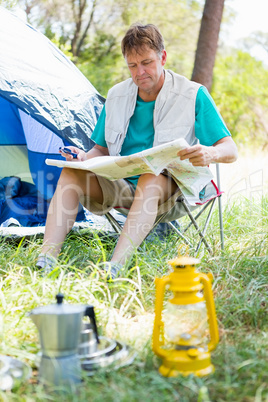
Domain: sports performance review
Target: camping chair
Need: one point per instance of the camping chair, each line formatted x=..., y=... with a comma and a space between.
x=206, y=206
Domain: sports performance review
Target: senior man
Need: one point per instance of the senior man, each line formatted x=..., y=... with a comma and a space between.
x=152, y=107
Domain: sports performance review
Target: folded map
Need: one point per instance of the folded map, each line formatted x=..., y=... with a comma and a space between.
x=191, y=179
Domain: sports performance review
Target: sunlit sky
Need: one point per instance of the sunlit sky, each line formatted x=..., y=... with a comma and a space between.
x=252, y=15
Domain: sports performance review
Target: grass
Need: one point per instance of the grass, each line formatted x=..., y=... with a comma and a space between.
x=125, y=312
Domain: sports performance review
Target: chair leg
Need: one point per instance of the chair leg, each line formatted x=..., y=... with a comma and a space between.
x=199, y=231
x=206, y=224
x=220, y=207
x=113, y=222
x=180, y=234
x=118, y=228
x=198, y=214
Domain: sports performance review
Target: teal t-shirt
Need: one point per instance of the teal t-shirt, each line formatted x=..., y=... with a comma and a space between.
x=209, y=126
x=140, y=133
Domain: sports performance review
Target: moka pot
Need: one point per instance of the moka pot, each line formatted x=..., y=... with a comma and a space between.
x=59, y=327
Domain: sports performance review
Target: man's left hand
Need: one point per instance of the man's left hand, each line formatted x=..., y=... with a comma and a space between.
x=223, y=151
x=198, y=155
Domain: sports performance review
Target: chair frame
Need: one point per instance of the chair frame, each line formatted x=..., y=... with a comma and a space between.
x=193, y=219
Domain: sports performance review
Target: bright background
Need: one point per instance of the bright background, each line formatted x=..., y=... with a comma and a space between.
x=251, y=15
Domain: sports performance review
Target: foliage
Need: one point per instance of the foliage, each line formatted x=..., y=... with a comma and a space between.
x=102, y=61
x=239, y=81
x=9, y=4
x=239, y=90
x=256, y=39
x=90, y=32
x=125, y=311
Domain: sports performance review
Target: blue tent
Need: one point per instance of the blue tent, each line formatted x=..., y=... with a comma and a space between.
x=45, y=103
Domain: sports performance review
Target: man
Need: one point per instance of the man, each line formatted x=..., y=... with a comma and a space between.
x=151, y=107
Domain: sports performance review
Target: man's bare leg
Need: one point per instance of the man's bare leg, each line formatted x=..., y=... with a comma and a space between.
x=63, y=208
x=151, y=191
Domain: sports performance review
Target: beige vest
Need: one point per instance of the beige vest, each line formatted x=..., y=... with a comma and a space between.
x=174, y=113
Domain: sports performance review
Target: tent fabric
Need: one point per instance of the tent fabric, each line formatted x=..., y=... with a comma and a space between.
x=13, y=148
x=41, y=142
x=11, y=123
x=43, y=82
x=21, y=201
x=45, y=103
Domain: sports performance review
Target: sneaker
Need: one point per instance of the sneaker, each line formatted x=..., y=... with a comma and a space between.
x=112, y=269
x=46, y=263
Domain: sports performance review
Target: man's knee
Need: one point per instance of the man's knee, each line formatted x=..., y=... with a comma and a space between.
x=72, y=180
x=159, y=186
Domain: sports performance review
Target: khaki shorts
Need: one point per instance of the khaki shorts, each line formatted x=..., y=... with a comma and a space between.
x=119, y=194
x=115, y=193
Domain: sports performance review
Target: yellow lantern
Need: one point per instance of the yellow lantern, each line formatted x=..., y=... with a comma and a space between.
x=180, y=334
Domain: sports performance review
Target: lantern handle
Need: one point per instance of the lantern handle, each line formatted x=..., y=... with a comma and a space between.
x=158, y=330
x=211, y=310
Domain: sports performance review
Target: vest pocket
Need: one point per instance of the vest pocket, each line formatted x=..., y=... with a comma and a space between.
x=114, y=141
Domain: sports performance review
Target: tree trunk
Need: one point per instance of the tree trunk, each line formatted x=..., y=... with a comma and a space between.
x=80, y=9
x=207, y=42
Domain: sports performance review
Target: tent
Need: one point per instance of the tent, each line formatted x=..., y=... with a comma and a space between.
x=45, y=103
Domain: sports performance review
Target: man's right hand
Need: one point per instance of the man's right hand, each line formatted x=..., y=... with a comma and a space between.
x=81, y=155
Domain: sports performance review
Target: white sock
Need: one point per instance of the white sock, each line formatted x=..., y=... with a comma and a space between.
x=46, y=262
x=112, y=269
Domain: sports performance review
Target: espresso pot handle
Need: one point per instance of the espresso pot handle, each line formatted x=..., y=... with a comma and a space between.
x=89, y=312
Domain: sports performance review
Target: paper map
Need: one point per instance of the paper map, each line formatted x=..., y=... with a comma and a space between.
x=152, y=160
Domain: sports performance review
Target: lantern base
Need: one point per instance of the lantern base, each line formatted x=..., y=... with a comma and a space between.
x=186, y=362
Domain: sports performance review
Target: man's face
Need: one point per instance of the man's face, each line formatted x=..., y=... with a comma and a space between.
x=146, y=69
